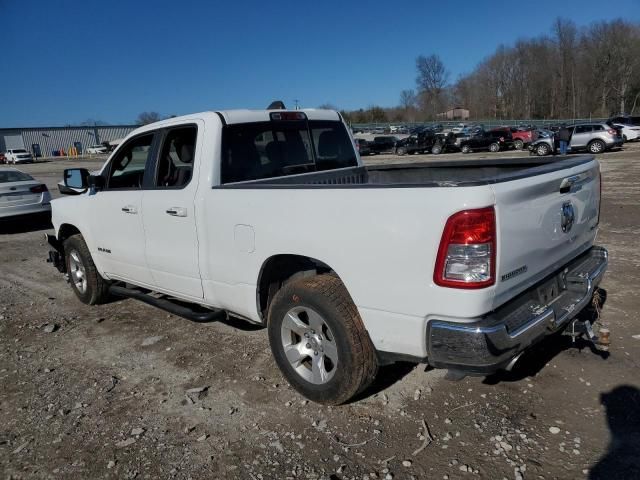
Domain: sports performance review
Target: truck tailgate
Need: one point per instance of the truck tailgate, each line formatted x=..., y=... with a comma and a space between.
x=543, y=222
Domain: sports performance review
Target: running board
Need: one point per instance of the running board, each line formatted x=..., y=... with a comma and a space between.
x=169, y=305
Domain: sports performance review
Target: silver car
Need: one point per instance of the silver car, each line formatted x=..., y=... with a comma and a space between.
x=592, y=137
x=20, y=194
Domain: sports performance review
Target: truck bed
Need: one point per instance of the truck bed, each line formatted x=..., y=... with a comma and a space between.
x=426, y=174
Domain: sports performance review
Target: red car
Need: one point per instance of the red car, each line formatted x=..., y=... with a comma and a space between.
x=521, y=137
x=3, y=159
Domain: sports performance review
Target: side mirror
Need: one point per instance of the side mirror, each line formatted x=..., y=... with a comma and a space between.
x=76, y=178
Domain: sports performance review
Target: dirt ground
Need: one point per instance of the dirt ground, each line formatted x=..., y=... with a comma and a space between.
x=106, y=394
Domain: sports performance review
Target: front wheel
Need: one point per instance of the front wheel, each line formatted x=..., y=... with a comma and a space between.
x=85, y=280
x=436, y=149
x=466, y=149
x=401, y=151
x=494, y=147
x=318, y=340
x=518, y=144
x=542, y=150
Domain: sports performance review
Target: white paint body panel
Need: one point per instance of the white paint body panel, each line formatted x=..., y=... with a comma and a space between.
x=382, y=242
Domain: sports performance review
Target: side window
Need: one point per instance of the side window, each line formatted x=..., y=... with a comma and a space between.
x=175, y=165
x=127, y=168
x=583, y=129
x=598, y=128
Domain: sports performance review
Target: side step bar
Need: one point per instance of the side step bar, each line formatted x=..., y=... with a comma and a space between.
x=168, y=305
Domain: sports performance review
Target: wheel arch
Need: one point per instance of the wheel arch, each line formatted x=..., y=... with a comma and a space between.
x=281, y=268
x=66, y=230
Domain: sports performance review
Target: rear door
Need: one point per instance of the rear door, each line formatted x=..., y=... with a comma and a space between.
x=581, y=136
x=543, y=222
x=169, y=212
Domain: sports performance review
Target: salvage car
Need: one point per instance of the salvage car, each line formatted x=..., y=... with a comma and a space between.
x=383, y=144
x=363, y=146
x=522, y=137
x=21, y=194
x=96, y=149
x=493, y=141
x=419, y=142
x=270, y=216
x=592, y=137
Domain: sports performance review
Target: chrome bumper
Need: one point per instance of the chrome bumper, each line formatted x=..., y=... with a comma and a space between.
x=490, y=344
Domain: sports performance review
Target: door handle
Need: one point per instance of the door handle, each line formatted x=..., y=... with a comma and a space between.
x=129, y=209
x=177, y=211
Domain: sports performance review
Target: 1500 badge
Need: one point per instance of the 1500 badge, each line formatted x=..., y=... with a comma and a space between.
x=514, y=273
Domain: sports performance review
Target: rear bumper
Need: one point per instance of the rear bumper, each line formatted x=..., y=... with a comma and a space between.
x=490, y=344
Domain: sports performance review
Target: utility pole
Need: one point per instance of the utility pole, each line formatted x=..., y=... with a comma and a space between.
x=296, y=101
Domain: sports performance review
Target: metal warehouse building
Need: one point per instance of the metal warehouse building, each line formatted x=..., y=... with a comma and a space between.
x=44, y=141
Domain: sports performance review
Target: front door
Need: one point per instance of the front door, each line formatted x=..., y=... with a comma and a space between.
x=581, y=136
x=169, y=214
x=116, y=222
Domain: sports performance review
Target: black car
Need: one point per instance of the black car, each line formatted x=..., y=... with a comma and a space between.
x=625, y=120
x=420, y=142
x=383, y=144
x=492, y=141
x=363, y=146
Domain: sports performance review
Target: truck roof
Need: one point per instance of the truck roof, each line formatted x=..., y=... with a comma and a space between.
x=239, y=116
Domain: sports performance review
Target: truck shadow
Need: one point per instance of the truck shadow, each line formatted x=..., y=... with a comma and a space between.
x=538, y=356
x=386, y=377
x=26, y=224
x=622, y=405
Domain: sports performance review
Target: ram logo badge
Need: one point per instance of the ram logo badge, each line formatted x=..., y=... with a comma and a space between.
x=567, y=217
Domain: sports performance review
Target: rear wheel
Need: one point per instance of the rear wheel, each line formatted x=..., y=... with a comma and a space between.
x=518, y=144
x=542, y=150
x=401, y=151
x=85, y=280
x=596, y=146
x=436, y=149
x=465, y=149
x=494, y=147
x=318, y=340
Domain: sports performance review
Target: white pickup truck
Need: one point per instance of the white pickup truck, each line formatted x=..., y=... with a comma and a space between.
x=270, y=216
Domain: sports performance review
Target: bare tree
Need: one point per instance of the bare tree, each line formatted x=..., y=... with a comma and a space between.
x=431, y=81
x=407, y=99
x=148, y=117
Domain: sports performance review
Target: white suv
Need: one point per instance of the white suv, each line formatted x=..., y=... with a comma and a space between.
x=18, y=155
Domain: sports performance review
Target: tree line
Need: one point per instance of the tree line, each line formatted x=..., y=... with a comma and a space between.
x=572, y=72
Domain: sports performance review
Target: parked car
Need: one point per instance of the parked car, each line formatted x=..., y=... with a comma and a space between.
x=521, y=137
x=3, y=159
x=444, y=142
x=420, y=142
x=625, y=120
x=363, y=146
x=96, y=149
x=18, y=155
x=629, y=132
x=592, y=137
x=343, y=279
x=494, y=141
x=383, y=144
x=20, y=194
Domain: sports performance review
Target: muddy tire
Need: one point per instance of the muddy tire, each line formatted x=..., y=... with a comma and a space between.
x=319, y=341
x=85, y=280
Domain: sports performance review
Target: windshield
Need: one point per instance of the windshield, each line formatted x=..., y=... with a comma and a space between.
x=8, y=176
x=252, y=151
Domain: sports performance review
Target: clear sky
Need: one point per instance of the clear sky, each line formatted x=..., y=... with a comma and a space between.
x=66, y=61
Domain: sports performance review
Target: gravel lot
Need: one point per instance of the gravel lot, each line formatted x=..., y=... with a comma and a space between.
x=127, y=391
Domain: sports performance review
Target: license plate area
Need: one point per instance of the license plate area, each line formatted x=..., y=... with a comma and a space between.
x=549, y=291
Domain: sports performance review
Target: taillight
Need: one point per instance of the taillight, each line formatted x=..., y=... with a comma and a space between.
x=38, y=189
x=467, y=253
x=612, y=132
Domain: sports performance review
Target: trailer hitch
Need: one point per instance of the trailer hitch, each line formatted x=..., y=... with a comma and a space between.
x=585, y=327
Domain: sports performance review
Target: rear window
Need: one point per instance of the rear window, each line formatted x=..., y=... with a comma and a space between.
x=252, y=151
x=19, y=150
x=8, y=176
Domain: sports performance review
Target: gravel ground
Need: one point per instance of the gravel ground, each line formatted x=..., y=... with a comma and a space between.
x=127, y=391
